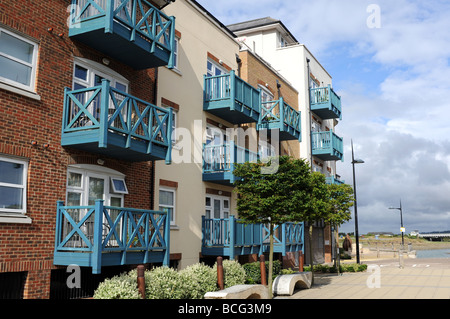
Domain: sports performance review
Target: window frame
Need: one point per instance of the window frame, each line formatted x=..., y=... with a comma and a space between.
x=33, y=65
x=173, y=206
x=23, y=186
x=87, y=171
x=113, y=186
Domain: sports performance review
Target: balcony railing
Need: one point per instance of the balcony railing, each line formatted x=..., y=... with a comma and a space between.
x=106, y=121
x=132, y=31
x=231, y=237
x=327, y=146
x=280, y=115
x=219, y=160
x=231, y=98
x=326, y=103
x=98, y=235
x=334, y=180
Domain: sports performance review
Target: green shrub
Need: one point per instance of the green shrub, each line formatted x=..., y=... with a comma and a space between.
x=253, y=271
x=118, y=287
x=233, y=273
x=343, y=268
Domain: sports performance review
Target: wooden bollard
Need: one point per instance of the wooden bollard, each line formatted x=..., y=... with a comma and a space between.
x=220, y=273
x=262, y=266
x=300, y=261
x=141, y=280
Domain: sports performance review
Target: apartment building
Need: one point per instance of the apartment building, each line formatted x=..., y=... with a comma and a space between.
x=223, y=101
x=80, y=136
x=319, y=104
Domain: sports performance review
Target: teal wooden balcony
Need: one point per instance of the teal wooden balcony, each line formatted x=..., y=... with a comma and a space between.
x=106, y=121
x=326, y=103
x=231, y=98
x=327, y=146
x=219, y=160
x=131, y=31
x=334, y=180
x=97, y=236
x=230, y=237
x=278, y=115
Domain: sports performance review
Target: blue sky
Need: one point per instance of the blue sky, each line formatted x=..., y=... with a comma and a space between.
x=394, y=81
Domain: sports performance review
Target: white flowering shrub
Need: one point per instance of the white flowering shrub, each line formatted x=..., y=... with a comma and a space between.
x=166, y=283
x=233, y=273
x=118, y=287
x=202, y=279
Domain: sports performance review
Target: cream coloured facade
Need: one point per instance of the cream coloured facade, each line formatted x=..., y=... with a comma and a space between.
x=201, y=38
x=270, y=39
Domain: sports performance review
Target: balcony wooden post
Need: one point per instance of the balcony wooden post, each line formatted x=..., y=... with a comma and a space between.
x=166, y=261
x=232, y=90
x=109, y=17
x=97, y=240
x=104, y=99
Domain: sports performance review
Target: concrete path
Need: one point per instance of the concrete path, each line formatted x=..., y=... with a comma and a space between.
x=384, y=279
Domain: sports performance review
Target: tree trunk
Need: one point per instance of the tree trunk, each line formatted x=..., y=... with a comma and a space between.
x=311, y=254
x=269, y=282
x=338, y=257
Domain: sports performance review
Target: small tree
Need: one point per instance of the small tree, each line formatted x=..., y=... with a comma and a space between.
x=341, y=200
x=273, y=198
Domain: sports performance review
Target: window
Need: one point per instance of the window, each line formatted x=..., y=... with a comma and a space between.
x=266, y=95
x=217, y=206
x=13, y=185
x=87, y=183
x=18, y=59
x=175, y=53
x=167, y=202
x=118, y=185
x=282, y=41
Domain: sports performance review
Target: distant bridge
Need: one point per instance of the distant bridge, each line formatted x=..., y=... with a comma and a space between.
x=434, y=236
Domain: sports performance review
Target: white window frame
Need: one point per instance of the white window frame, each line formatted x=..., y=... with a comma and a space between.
x=32, y=65
x=175, y=54
x=173, y=206
x=22, y=186
x=86, y=171
x=266, y=95
x=113, y=186
x=224, y=211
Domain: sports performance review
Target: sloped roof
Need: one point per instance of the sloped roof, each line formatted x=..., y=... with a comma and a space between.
x=261, y=22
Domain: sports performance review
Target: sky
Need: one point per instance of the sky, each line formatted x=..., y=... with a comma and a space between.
x=390, y=64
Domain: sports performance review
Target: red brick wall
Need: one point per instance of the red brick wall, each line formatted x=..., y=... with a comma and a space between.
x=29, y=247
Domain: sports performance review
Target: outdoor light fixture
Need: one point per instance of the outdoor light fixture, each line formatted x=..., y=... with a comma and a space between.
x=357, y=161
x=402, y=229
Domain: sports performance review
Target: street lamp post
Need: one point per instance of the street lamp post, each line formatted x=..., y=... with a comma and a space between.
x=357, y=161
x=401, y=221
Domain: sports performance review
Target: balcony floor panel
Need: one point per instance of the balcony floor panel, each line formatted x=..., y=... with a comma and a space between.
x=222, y=178
x=88, y=141
x=324, y=112
x=240, y=115
x=116, y=45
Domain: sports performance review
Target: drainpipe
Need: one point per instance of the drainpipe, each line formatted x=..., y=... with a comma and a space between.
x=310, y=114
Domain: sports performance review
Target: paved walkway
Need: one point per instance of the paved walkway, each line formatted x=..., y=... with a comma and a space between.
x=384, y=279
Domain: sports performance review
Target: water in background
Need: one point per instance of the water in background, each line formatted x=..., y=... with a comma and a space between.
x=433, y=253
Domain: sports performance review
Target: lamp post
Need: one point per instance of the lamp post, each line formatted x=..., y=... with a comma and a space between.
x=357, y=161
x=401, y=221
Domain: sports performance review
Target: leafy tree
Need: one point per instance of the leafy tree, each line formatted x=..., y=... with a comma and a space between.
x=341, y=200
x=276, y=198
